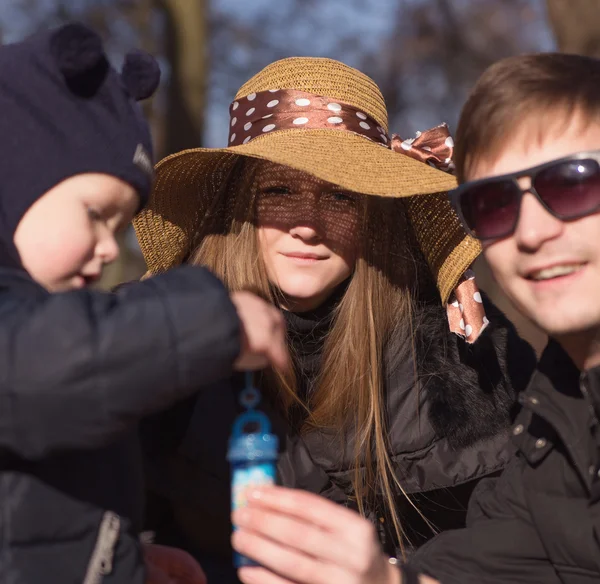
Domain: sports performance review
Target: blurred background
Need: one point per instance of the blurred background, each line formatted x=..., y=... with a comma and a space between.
x=424, y=54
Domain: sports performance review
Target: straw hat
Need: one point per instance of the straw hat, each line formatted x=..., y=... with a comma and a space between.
x=327, y=119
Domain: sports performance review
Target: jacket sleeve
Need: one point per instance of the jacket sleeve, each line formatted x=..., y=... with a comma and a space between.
x=499, y=544
x=78, y=369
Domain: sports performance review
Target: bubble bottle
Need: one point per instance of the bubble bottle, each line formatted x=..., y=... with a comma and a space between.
x=252, y=455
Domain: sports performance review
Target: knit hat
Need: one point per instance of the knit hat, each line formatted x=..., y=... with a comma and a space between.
x=66, y=111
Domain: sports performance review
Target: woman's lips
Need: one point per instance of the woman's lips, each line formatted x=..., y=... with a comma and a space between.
x=304, y=258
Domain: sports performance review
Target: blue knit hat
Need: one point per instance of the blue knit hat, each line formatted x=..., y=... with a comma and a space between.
x=65, y=111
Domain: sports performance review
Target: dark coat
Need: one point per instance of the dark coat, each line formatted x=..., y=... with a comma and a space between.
x=444, y=437
x=77, y=372
x=540, y=522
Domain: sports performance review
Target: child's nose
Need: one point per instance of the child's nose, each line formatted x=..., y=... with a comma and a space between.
x=108, y=248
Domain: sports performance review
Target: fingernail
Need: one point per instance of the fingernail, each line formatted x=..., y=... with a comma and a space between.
x=256, y=494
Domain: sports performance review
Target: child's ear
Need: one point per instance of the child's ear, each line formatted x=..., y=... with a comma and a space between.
x=140, y=74
x=80, y=57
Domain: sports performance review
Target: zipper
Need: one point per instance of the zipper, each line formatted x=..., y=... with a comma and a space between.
x=101, y=562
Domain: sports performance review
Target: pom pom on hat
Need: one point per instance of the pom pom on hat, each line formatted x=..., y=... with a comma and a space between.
x=77, y=50
x=140, y=74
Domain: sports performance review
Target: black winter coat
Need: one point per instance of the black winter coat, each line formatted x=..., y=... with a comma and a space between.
x=444, y=437
x=540, y=522
x=77, y=372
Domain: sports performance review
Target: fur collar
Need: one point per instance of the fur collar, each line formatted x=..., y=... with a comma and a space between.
x=470, y=389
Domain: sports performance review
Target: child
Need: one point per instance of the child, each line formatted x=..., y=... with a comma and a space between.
x=79, y=368
x=528, y=155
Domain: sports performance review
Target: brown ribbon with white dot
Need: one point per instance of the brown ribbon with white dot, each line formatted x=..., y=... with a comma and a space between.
x=466, y=313
x=282, y=109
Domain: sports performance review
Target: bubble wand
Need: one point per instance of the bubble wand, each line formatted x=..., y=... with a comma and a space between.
x=252, y=455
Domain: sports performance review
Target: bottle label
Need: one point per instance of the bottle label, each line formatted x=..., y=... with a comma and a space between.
x=244, y=478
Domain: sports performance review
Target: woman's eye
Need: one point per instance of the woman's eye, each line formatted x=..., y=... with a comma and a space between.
x=342, y=197
x=276, y=191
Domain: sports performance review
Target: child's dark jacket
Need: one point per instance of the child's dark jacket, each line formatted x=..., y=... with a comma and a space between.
x=77, y=372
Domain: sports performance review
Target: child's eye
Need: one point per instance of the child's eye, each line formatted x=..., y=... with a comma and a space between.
x=94, y=214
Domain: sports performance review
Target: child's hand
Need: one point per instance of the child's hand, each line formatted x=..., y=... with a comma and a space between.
x=301, y=538
x=263, y=333
x=167, y=565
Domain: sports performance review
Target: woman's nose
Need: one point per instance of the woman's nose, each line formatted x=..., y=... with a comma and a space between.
x=306, y=221
x=306, y=231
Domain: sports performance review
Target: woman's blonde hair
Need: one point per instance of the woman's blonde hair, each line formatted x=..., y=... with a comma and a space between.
x=371, y=329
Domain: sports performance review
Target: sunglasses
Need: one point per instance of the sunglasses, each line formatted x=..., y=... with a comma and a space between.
x=568, y=188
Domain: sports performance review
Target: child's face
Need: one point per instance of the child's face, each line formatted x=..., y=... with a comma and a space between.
x=549, y=268
x=68, y=235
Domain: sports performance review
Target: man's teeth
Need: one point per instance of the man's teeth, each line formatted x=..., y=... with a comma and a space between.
x=555, y=272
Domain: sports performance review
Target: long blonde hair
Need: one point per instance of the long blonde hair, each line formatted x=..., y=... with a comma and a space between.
x=373, y=321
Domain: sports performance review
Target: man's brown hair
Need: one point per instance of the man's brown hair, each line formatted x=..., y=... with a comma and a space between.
x=543, y=88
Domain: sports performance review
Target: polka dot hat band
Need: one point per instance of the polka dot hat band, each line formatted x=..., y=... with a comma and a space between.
x=329, y=120
x=280, y=109
x=262, y=112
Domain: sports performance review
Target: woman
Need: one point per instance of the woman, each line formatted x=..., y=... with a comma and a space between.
x=387, y=410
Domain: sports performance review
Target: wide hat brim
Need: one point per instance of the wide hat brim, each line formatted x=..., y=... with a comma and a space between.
x=188, y=182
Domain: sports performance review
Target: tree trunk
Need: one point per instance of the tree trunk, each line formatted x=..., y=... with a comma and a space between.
x=576, y=25
x=186, y=49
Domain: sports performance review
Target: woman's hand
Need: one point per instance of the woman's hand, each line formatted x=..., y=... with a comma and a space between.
x=301, y=538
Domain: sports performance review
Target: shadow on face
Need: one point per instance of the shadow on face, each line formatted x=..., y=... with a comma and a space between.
x=312, y=211
x=304, y=235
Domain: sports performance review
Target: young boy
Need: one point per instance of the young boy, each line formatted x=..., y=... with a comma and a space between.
x=528, y=155
x=79, y=368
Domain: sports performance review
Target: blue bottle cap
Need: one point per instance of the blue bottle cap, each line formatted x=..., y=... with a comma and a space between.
x=253, y=446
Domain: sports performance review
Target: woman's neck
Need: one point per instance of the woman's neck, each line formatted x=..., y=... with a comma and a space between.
x=322, y=303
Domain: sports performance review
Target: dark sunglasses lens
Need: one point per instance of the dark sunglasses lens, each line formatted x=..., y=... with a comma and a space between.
x=490, y=210
x=570, y=188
